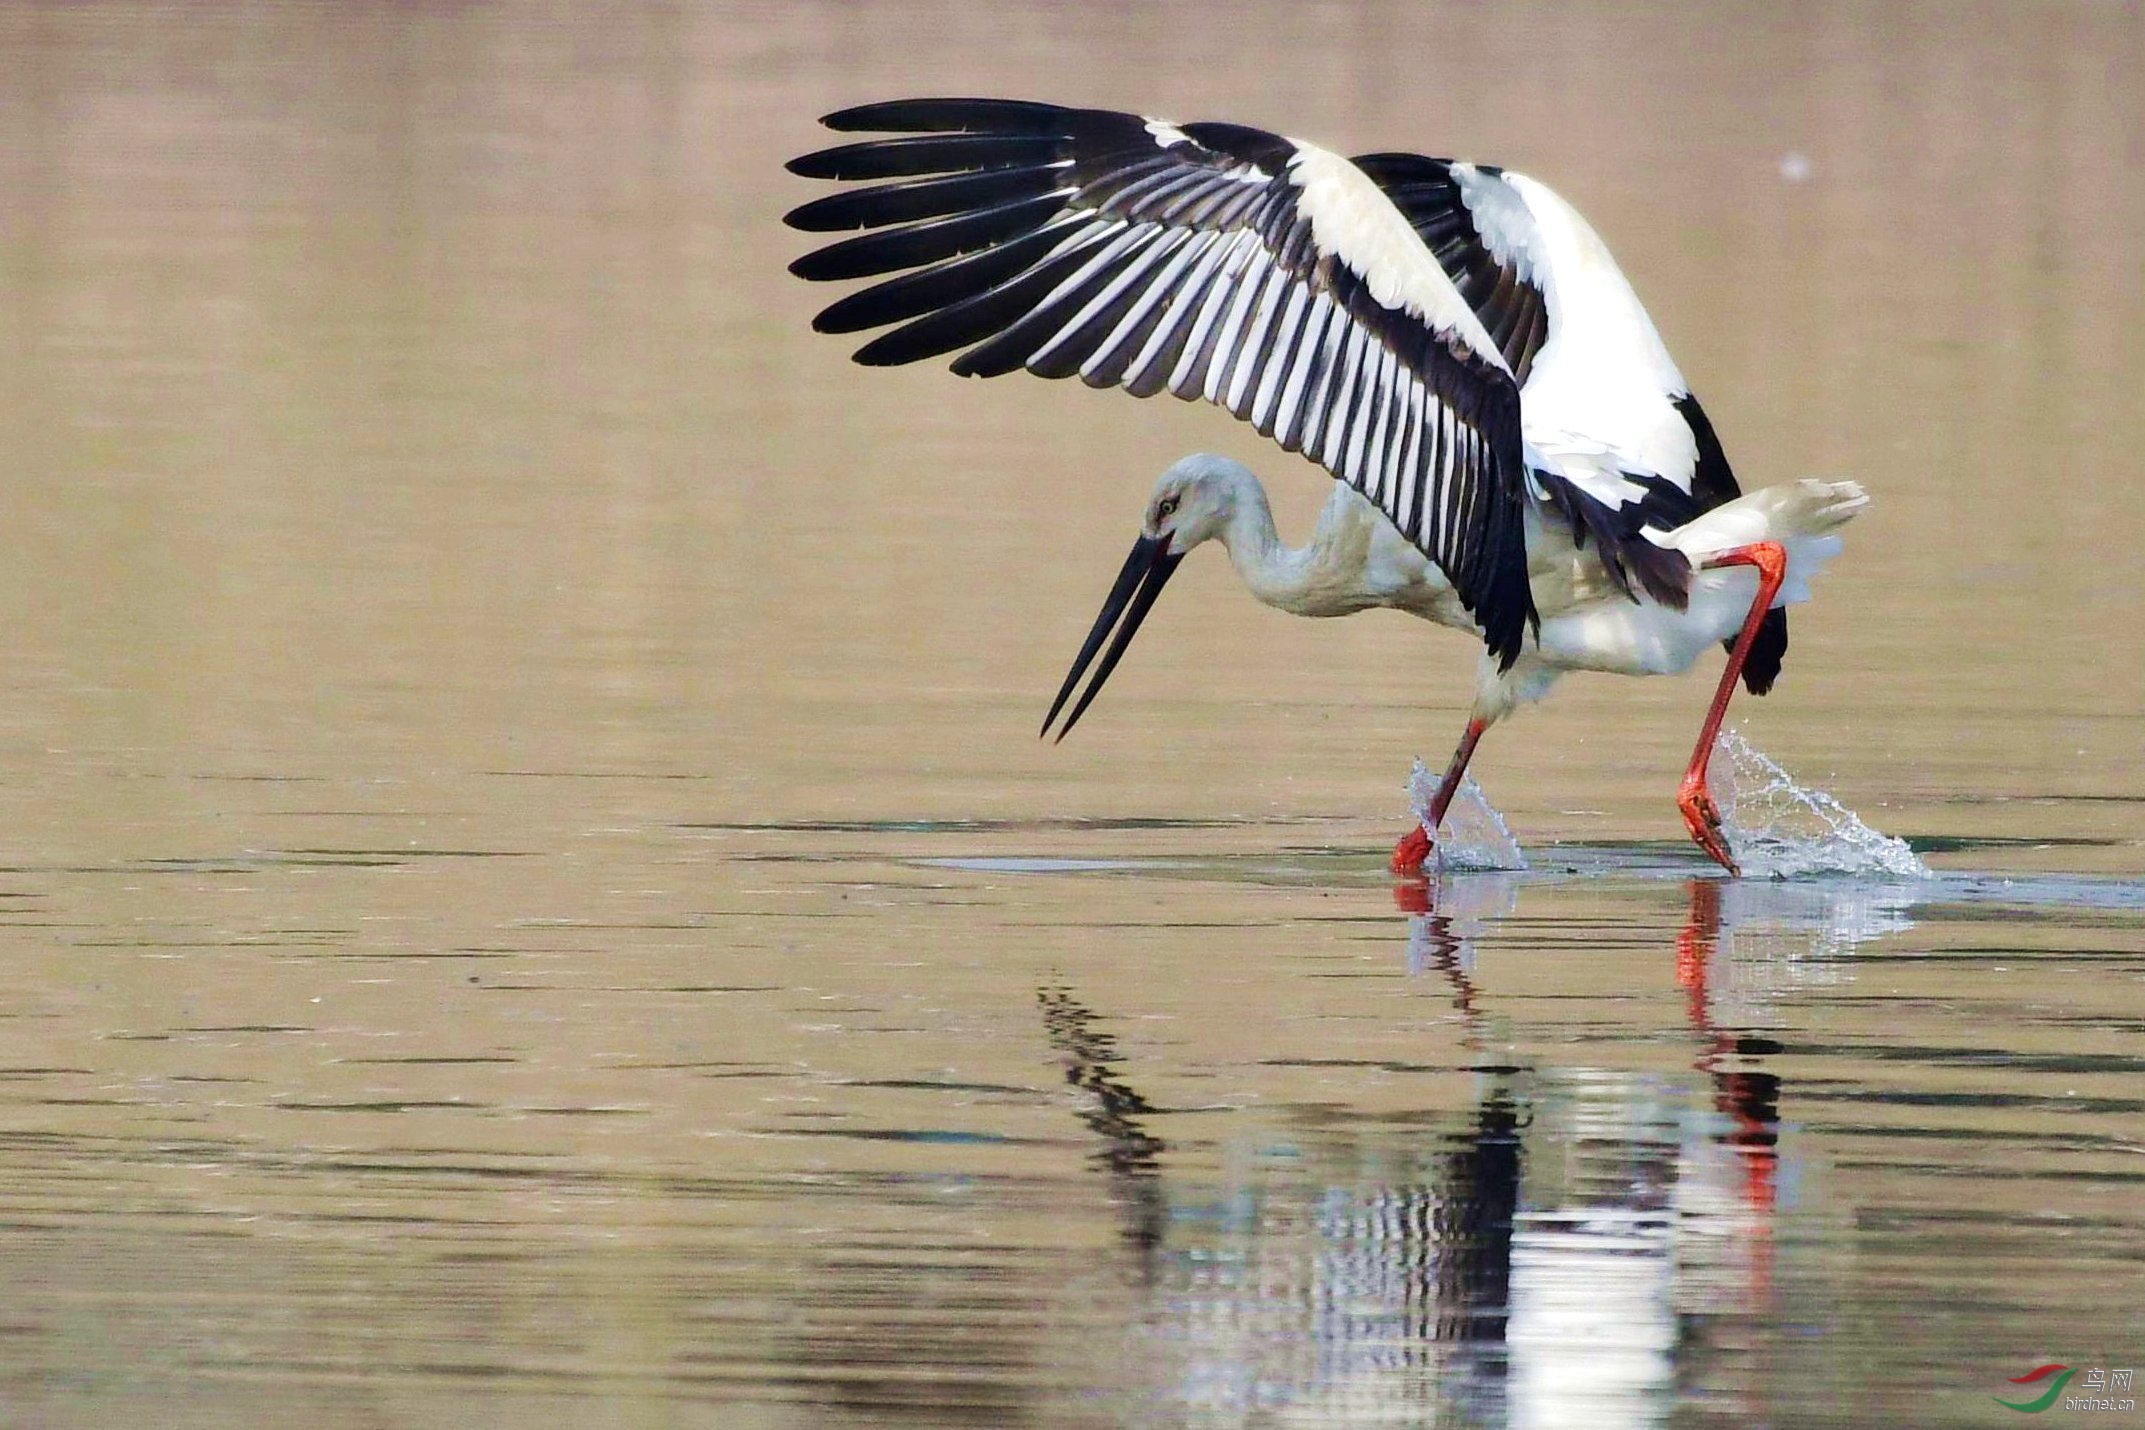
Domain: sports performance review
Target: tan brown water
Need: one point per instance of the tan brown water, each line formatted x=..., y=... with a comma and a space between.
x=531, y=896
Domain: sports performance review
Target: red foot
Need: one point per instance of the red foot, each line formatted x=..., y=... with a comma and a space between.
x=1411, y=851
x=1702, y=819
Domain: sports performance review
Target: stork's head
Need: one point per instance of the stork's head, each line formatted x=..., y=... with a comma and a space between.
x=1194, y=501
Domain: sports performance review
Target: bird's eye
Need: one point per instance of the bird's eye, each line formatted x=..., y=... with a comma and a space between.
x=1165, y=508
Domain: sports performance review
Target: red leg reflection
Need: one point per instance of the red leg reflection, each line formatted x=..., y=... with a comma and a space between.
x=1750, y=1100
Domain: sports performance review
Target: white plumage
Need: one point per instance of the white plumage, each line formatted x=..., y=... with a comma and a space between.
x=1517, y=455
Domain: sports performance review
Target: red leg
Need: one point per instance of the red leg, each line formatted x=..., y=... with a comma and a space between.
x=1699, y=814
x=1414, y=846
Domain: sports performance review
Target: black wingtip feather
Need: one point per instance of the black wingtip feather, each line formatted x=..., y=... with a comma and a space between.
x=1495, y=586
x=924, y=116
x=914, y=200
x=974, y=319
x=927, y=154
x=1505, y=610
x=870, y=254
x=936, y=289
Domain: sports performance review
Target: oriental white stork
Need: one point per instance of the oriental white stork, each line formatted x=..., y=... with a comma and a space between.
x=1516, y=455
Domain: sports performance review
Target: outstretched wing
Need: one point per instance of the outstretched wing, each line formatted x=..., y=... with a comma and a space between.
x=1266, y=275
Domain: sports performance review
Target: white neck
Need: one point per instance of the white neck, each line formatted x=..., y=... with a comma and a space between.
x=1306, y=580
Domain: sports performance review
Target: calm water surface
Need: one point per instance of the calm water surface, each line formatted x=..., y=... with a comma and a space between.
x=529, y=893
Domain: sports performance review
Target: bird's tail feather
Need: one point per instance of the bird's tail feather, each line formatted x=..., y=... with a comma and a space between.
x=1804, y=516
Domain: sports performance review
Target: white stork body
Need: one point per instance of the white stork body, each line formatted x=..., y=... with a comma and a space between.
x=1517, y=455
x=1356, y=560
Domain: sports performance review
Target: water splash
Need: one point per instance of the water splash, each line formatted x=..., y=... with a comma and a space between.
x=1474, y=835
x=1776, y=827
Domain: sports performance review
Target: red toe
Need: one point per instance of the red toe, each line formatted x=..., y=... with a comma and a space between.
x=1411, y=851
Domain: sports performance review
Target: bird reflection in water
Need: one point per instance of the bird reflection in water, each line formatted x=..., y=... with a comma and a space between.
x=1126, y=1151
x=1557, y=1250
x=1401, y=1266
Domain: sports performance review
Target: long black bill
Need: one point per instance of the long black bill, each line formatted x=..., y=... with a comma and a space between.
x=1147, y=571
